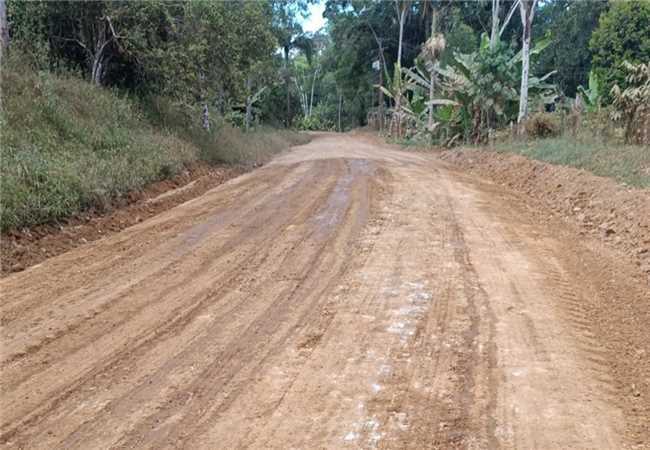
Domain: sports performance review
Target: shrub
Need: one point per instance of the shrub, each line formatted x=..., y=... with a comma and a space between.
x=542, y=126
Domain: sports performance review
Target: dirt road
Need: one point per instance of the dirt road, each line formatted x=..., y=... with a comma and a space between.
x=347, y=295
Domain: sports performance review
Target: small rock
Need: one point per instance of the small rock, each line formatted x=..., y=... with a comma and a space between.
x=607, y=229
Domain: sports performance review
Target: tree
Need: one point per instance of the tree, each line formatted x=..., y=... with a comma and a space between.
x=401, y=10
x=497, y=28
x=431, y=52
x=632, y=105
x=87, y=33
x=290, y=35
x=622, y=35
x=4, y=29
x=570, y=25
x=527, y=11
x=198, y=54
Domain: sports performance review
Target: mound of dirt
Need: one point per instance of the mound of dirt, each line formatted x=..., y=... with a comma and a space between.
x=24, y=248
x=600, y=207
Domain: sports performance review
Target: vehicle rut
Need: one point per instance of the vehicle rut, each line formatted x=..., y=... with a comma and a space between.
x=347, y=295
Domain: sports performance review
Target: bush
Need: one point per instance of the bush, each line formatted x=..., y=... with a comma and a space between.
x=542, y=126
x=323, y=118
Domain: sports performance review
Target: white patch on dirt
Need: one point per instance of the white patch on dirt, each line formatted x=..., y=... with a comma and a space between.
x=411, y=302
x=374, y=435
x=385, y=370
x=351, y=436
x=407, y=315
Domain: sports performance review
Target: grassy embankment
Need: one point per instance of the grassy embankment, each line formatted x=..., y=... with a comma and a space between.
x=68, y=146
x=628, y=164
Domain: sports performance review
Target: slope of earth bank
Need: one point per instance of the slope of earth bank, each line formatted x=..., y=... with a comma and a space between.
x=600, y=207
x=26, y=247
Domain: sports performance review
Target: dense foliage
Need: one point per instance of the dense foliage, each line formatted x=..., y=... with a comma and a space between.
x=570, y=25
x=623, y=35
x=252, y=61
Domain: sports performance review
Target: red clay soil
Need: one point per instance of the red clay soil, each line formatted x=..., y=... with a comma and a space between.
x=617, y=215
x=608, y=219
x=24, y=248
x=347, y=295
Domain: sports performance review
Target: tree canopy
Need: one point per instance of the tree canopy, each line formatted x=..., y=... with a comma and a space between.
x=242, y=59
x=622, y=35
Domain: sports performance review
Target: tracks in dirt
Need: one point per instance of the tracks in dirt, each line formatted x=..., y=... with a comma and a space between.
x=347, y=295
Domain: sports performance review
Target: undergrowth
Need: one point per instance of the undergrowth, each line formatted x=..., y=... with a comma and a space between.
x=68, y=146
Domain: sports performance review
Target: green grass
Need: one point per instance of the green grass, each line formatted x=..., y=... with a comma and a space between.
x=67, y=146
x=224, y=143
x=629, y=164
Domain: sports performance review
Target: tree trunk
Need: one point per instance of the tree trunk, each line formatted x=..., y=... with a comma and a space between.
x=381, y=100
x=206, y=117
x=313, y=84
x=432, y=72
x=398, y=96
x=286, y=85
x=527, y=10
x=431, y=94
x=514, y=6
x=302, y=96
x=4, y=29
x=383, y=67
x=249, y=103
x=494, y=35
x=523, y=94
x=101, y=54
x=401, y=16
x=98, y=68
x=340, y=106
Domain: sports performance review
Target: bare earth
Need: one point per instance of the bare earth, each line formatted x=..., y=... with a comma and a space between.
x=347, y=295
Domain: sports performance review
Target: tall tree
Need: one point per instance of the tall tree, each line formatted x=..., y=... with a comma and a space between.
x=290, y=35
x=569, y=24
x=401, y=10
x=4, y=29
x=497, y=27
x=431, y=51
x=527, y=11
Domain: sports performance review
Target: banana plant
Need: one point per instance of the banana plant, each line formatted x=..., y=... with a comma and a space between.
x=592, y=96
x=418, y=82
x=444, y=123
x=395, y=91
